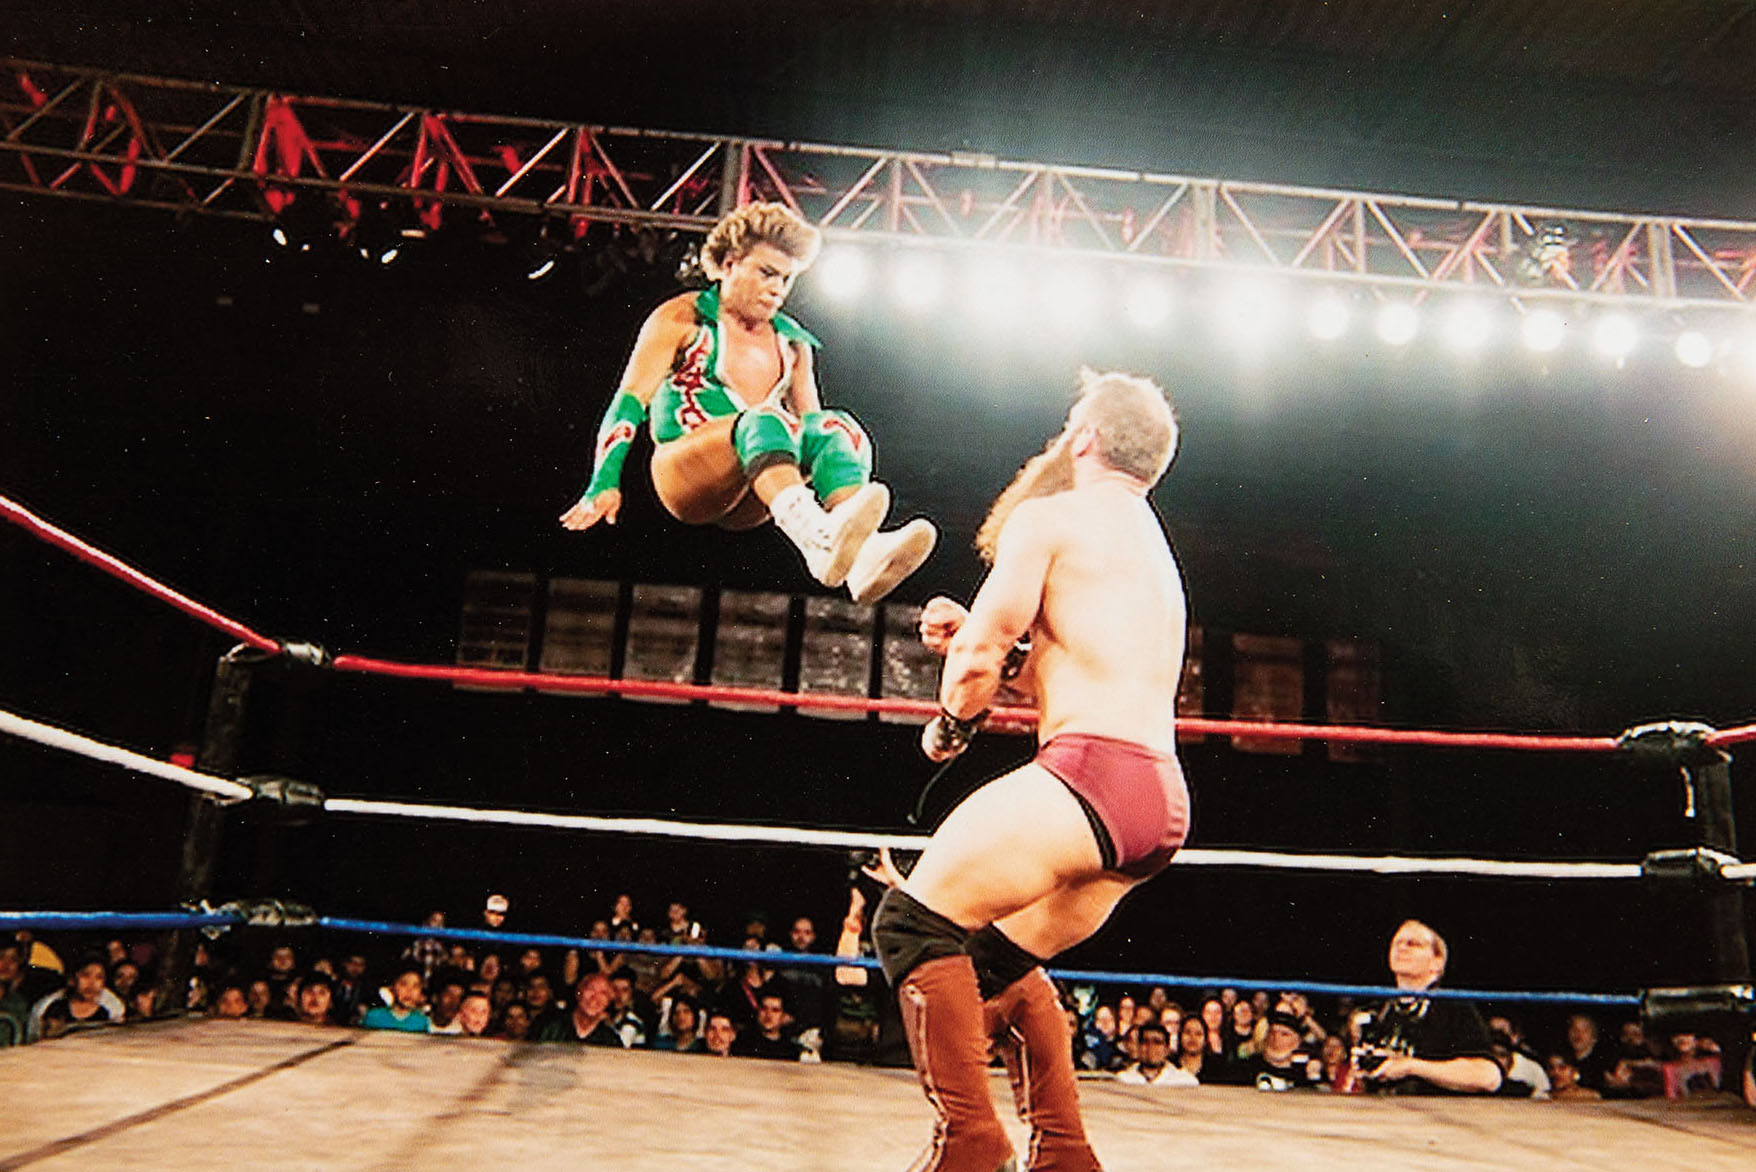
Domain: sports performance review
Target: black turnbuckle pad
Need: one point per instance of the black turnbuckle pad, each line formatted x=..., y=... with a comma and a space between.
x=1697, y=1007
x=285, y=791
x=270, y=913
x=1698, y=864
x=1670, y=743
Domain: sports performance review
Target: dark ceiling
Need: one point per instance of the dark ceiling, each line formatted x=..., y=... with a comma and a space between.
x=1633, y=104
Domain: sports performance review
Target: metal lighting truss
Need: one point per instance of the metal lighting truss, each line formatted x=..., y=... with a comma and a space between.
x=210, y=149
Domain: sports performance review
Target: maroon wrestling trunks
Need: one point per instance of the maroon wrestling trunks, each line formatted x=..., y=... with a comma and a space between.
x=1133, y=796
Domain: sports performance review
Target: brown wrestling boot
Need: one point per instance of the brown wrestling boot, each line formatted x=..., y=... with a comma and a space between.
x=942, y=1013
x=1030, y=1034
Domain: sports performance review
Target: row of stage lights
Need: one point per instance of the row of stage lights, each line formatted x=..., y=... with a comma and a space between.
x=1251, y=311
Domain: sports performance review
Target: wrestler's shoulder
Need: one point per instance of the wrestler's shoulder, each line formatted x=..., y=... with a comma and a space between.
x=678, y=311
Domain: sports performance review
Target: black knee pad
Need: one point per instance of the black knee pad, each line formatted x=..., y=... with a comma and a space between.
x=908, y=933
x=999, y=962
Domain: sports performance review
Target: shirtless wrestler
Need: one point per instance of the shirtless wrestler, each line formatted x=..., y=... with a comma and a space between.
x=738, y=428
x=1034, y=862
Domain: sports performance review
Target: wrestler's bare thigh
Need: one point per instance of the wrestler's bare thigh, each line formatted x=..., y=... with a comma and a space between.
x=1019, y=839
x=699, y=480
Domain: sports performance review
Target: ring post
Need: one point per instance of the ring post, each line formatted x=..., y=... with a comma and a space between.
x=1724, y=993
x=222, y=739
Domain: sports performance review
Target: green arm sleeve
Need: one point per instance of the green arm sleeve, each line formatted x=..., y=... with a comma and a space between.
x=615, y=436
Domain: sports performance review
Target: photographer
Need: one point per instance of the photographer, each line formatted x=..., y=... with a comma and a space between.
x=1425, y=1045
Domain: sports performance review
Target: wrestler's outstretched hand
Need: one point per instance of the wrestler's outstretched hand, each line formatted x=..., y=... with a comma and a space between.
x=941, y=618
x=592, y=509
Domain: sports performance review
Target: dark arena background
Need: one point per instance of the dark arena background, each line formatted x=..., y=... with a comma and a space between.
x=372, y=456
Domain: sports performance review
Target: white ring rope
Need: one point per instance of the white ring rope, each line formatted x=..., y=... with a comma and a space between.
x=797, y=836
x=1739, y=872
x=726, y=832
x=59, y=738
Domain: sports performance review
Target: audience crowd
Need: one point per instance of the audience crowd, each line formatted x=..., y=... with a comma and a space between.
x=754, y=1008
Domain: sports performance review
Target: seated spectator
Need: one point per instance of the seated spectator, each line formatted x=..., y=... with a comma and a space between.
x=769, y=1038
x=1523, y=1078
x=1584, y=1050
x=1281, y=1064
x=1564, y=1084
x=539, y=997
x=14, y=1008
x=679, y=927
x=1153, y=1067
x=1213, y=1017
x=627, y=1015
x=515, y=1022
x=494, y=912
x=589, y=1023
x=144, y=1003
x=622, y=916
x=124, y=977
x=259, y=999
x=487, y=971
x=648, y=968
x=405, y=1004
x=447, y=992
x=1689, y=1067
x=283, y=970
x=1637, y=1073
x=530, y=962
x=606, y=961
x=426, y=952
x=1311, y=1031
x=806, y=991
x=230, y=1004
x=742, y=998
x=1241, y=1043
x=683, y=1028
x=474, y=1013
x=316, y=999
x=458, y=956
x=1101, y=1042
x=501, y=993
x=1425, y=1045
x=720, y=1035
x=1170, y=1019
x=1194, y=1054
x=84, y=1001
x=351, y=992
x=1337, y=1064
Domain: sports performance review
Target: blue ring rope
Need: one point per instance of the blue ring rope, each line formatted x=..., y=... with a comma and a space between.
x=86, y=921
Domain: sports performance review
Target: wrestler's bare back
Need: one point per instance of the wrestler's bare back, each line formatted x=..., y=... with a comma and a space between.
x=1107, y=643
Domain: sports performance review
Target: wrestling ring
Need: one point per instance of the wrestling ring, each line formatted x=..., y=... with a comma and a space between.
x=183, y=1093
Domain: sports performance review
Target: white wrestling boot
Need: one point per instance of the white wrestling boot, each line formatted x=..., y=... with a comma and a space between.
x=830, y=540
x=887, y=558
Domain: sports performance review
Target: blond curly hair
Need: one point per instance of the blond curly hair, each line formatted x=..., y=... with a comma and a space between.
x=773, y=224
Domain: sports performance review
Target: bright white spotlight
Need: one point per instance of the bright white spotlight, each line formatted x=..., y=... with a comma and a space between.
x=1614, y=336
x=1467, y=327
x=1328, y=318
x=918, y=281
x=994, y=287
x=1248, y=312
x=1544, y=330
x=1694, y=349
x=1147, y=302
x=1070, y=295
x=843, y=271
x=1398, y=323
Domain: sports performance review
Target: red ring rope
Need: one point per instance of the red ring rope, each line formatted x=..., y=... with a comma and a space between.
x=1016, y=719
x=31, y=523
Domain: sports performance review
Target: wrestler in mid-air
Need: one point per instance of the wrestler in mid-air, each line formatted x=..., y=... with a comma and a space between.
x=1033, y=862
x=738, y=428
